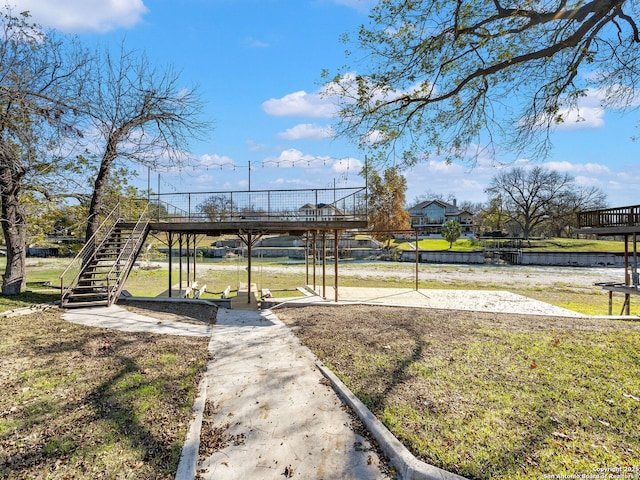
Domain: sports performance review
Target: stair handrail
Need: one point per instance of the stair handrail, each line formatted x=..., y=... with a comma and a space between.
x=129, y=250
x=89, y=249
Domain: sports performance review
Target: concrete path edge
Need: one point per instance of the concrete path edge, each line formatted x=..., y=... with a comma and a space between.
x=191, y=448
x=405, y=463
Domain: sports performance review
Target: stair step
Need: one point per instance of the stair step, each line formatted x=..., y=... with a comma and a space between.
x=95, y=303
x=92, y=287
x=87, y=294
x=103, y=274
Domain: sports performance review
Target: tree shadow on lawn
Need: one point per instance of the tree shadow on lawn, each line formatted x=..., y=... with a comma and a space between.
x=96, y=410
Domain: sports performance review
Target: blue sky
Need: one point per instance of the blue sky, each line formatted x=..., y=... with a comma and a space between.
x=258, y=65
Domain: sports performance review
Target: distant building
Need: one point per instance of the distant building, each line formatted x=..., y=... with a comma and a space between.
x=428, y=217
x=322, y=212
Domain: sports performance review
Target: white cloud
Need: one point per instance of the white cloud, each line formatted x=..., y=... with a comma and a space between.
x=216, y=161
x=85, y=15
x=287, y=181
x=347, y=165
x=203, y=179
x=588, y=181
x=300, y=104
x=307, y=131
x=568, y=167
x=254, y=146
x=255, y=43
x=581, y=118
x=292, y=157
x=373, y=137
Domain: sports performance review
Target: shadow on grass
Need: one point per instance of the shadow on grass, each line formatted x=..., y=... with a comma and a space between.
x=26, y=299
x=84, y=400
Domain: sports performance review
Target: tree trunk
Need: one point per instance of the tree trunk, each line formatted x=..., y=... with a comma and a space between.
x=99, y=189
x=13, y=221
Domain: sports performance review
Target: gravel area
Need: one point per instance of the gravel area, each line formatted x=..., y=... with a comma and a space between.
x=482, y=274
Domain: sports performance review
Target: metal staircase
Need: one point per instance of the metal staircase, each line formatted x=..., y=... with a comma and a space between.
x=97, y=274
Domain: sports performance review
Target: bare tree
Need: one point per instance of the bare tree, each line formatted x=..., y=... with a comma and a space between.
x=41, y=85
x=449, y=76
x=527, y=195
x=140, y=114
x=217, y=208
x=563, y=211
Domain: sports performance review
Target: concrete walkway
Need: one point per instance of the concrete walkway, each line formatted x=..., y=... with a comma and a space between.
x=282, y=418
x=275, y=404
x=119, y=318
x=268, y=396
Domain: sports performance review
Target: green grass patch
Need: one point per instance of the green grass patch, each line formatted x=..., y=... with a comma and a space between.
x=489, y=396
x=460, y=245
x=567, y=245
x=78, y=402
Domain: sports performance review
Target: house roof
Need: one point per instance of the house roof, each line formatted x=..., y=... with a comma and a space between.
x=320, y=206
x=425, y=203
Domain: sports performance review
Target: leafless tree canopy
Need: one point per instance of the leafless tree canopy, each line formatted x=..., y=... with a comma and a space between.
x=41, y=88
x=141, y=113
x=539, y=197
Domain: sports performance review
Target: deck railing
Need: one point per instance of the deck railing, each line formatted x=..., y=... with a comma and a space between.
x=610, y=217
x=69, y=278
x=333, y=204
x=126, y=257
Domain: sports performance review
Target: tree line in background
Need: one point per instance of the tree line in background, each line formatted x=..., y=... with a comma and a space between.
x=71, y=122
x=437, y=77
x=523, y=202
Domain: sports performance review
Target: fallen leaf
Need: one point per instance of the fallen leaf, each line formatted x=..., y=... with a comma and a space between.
x=564, y=436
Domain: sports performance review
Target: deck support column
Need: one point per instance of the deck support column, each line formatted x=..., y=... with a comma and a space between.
x=180, y=263
x=324, y=265
x=306, y=258
x=170, y=237
x=626, y=308
x=417, y=259
x=335, y=266
x=188, y=261
x=315, y=244
x=195, y=256
x=249, y=245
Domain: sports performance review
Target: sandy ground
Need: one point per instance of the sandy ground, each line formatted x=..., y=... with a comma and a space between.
x=483, y=275
x=479, y=288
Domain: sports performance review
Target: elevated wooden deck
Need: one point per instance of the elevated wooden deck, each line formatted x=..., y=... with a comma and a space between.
x=620, y=221
x=215, y=229
x=312, y=213
x=610, y=221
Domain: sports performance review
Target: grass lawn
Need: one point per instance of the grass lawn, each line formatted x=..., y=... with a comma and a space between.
x=567, y=245
x=84, y=403
x=485, y=395
x=489, y=396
